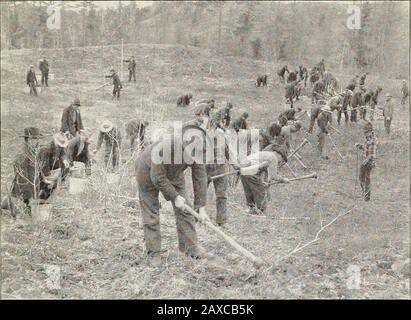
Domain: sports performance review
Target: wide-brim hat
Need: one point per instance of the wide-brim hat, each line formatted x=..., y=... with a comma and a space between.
x=60, y=139
x=106, y=126
x=31, y=133
x=76, y=101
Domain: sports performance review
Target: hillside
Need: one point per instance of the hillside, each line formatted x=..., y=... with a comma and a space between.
x=96, y=238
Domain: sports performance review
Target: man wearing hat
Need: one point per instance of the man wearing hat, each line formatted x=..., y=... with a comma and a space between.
x=44, y=68
x=78, y=150
x=53, y=156
x=111, y=136
x=31, y=80
x=27, y=177
x=136, y=129
x=369, y=155
x=240, y=123
x=404, y=92
x=117, y=86
x=324, y=119
x=388, y=112
x=166, y=175
x=371, y=99
x=71, y=122
x=131, y=68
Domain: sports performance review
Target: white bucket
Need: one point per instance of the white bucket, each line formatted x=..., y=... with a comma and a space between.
x=41, y=212
x=77, y=185
x=77, y=170
x=51, y=76
x=113, y=178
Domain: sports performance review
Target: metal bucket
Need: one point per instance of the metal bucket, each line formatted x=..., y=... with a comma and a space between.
x=77, y=170
x=113, y=178
x=77, y=185
x=41, y=212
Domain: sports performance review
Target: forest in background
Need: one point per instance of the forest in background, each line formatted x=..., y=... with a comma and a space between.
x=289, y=32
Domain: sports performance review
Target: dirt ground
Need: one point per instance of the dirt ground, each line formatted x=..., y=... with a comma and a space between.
x=95, y=239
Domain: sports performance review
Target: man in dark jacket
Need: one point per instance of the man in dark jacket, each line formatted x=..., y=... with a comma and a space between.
x=281, y=73
x=303, y=74
x=131, y=68
x=31, y=81
x=318, y=91
x=111, y=136
x=240, y=123
x=371, y=99
x=117, y=86
x=71, y=122
x=78, y=150
x=26, y=183
x=184, y=100
x=357, y=102
x=44, y=68
x=53, y=156
x=155, y=175
x=344, y=108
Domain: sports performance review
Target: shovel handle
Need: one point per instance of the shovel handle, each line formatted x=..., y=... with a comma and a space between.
x=257, y=262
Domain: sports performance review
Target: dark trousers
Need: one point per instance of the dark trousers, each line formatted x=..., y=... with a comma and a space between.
x=44, y=78
x=33, y=89
x=116, y=93
x=340, y=112
x=113, y=153
x=365, y=180
x=220, y=188
x=150, y=206
x=255, y=192
x=353, y=117
x=132, y=73
x=387, y=125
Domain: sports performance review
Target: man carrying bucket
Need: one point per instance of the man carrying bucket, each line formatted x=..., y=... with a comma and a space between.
x=111, y=136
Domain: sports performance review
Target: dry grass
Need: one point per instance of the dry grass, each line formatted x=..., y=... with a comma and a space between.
x=96, y=238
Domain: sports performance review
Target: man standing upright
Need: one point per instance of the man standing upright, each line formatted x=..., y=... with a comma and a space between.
x=117, y=86
x=131, y=68
x=388, y=112
x=44, y=68
x=369, y=149
x=31, y=80
x=71, y=122
x=404, y=92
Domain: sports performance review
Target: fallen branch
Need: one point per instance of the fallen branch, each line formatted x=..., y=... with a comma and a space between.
x=300, y=247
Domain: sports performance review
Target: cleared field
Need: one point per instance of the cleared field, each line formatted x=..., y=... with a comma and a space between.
x=96, y=238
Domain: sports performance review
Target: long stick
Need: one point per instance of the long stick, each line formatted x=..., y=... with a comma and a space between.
x=305, y=141
x=298, y=158
x=308, y=176
x=258, y=262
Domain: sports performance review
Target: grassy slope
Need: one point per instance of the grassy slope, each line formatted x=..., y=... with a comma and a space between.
x=98, y=242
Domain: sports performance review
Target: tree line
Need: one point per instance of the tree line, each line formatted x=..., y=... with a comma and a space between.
x=294, y=32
